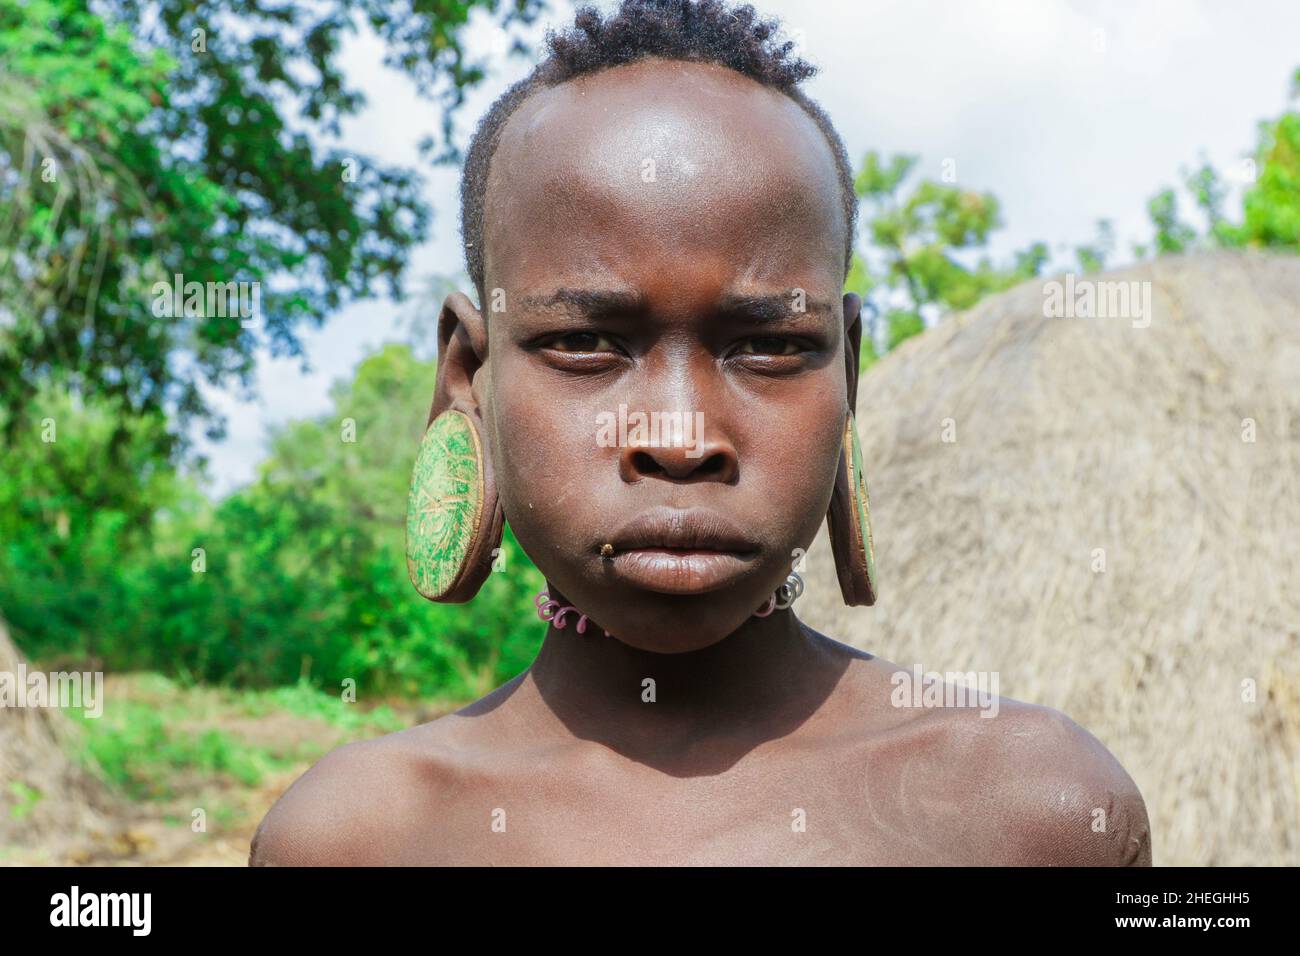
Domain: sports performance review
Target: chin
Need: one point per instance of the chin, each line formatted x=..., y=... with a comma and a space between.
x=669, y=623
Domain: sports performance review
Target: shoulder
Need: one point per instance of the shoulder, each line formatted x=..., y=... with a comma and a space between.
x=348, y=808
x=390, y=800
x=1078, y=805
x=1053, y=793
x=1012, y=783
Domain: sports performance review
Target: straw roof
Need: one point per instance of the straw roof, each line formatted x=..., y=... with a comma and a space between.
x=46, y=798
x=1074, y=441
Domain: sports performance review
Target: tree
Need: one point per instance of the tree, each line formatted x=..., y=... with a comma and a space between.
x=300, y=574
x=1093, y=256
x=142, y=141
x=334, y=490
x=69, y=525
x=1270, y=216
x=1271, y=207
x=914, y=262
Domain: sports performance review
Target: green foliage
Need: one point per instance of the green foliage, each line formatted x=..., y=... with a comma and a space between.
x=302, y=574
x=922, y=242
x=1093, y=257
x=901, y=325
x=69, y=526
x=306, y=567
x=141, y=140
x=1270, y=205
x=1172, y=234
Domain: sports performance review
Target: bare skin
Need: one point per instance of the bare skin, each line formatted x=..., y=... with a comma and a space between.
x=765, y=742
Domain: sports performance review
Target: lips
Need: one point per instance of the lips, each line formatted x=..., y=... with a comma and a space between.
x=674, y=551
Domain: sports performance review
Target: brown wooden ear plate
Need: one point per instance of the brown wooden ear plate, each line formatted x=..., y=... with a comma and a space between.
x=487, y=538
x=849, y=522
x=454, y=520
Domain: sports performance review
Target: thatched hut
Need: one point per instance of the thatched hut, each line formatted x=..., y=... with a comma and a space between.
x=1106, y=513
x=47, y=800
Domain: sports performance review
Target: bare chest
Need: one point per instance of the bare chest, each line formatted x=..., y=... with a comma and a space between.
x=818, y=809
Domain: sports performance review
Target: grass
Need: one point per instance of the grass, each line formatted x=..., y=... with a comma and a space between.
x=303, y=700
x=157, y=734
x=189, y=769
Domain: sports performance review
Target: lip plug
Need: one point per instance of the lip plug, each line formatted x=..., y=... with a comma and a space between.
x=606, y=552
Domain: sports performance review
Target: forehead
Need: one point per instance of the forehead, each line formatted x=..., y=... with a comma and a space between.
x=661, y=171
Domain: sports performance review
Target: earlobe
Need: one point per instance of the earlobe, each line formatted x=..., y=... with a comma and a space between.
x=849, y=521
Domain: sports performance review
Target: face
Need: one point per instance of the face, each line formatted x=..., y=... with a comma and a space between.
x=663, y=238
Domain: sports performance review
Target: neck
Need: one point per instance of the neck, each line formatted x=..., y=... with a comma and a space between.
x=758, y=683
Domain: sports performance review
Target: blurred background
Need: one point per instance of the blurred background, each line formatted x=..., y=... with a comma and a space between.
x=210, y=511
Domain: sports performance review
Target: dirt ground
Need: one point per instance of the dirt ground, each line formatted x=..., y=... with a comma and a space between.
x=159, y=834
x=205, y=818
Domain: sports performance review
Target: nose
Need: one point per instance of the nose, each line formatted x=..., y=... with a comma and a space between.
x=685, y=455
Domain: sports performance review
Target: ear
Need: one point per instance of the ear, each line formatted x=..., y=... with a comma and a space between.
x=852, y=345
x=462, y=351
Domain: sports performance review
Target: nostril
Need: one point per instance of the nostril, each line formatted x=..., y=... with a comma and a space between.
x=678, y=465
x=645, y=464
x=711, y=465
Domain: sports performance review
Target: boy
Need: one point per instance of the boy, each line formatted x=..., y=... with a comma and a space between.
x=642, y=215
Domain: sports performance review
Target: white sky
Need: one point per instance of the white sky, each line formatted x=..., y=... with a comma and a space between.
x=1064, y=124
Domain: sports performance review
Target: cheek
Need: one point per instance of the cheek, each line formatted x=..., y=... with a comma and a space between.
x=543, y=449
x=798, y=456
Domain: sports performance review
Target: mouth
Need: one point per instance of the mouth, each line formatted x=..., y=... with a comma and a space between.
x=672, y=551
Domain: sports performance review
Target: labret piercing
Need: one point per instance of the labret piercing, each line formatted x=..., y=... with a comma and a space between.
x=554, y=613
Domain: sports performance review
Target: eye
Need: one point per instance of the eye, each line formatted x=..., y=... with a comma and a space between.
x=581, y=342
x=768, y=345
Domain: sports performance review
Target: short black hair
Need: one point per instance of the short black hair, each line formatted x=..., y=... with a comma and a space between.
x=706, y=31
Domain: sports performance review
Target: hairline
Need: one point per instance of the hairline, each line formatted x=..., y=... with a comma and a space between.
x=536, y=83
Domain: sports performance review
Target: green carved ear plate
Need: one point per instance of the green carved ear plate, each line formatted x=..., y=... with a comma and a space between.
x=445, y=505
x=861, y=505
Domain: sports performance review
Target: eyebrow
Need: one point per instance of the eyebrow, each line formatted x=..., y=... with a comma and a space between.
x=590, y=302
x=753, y=309
x=767, y=309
